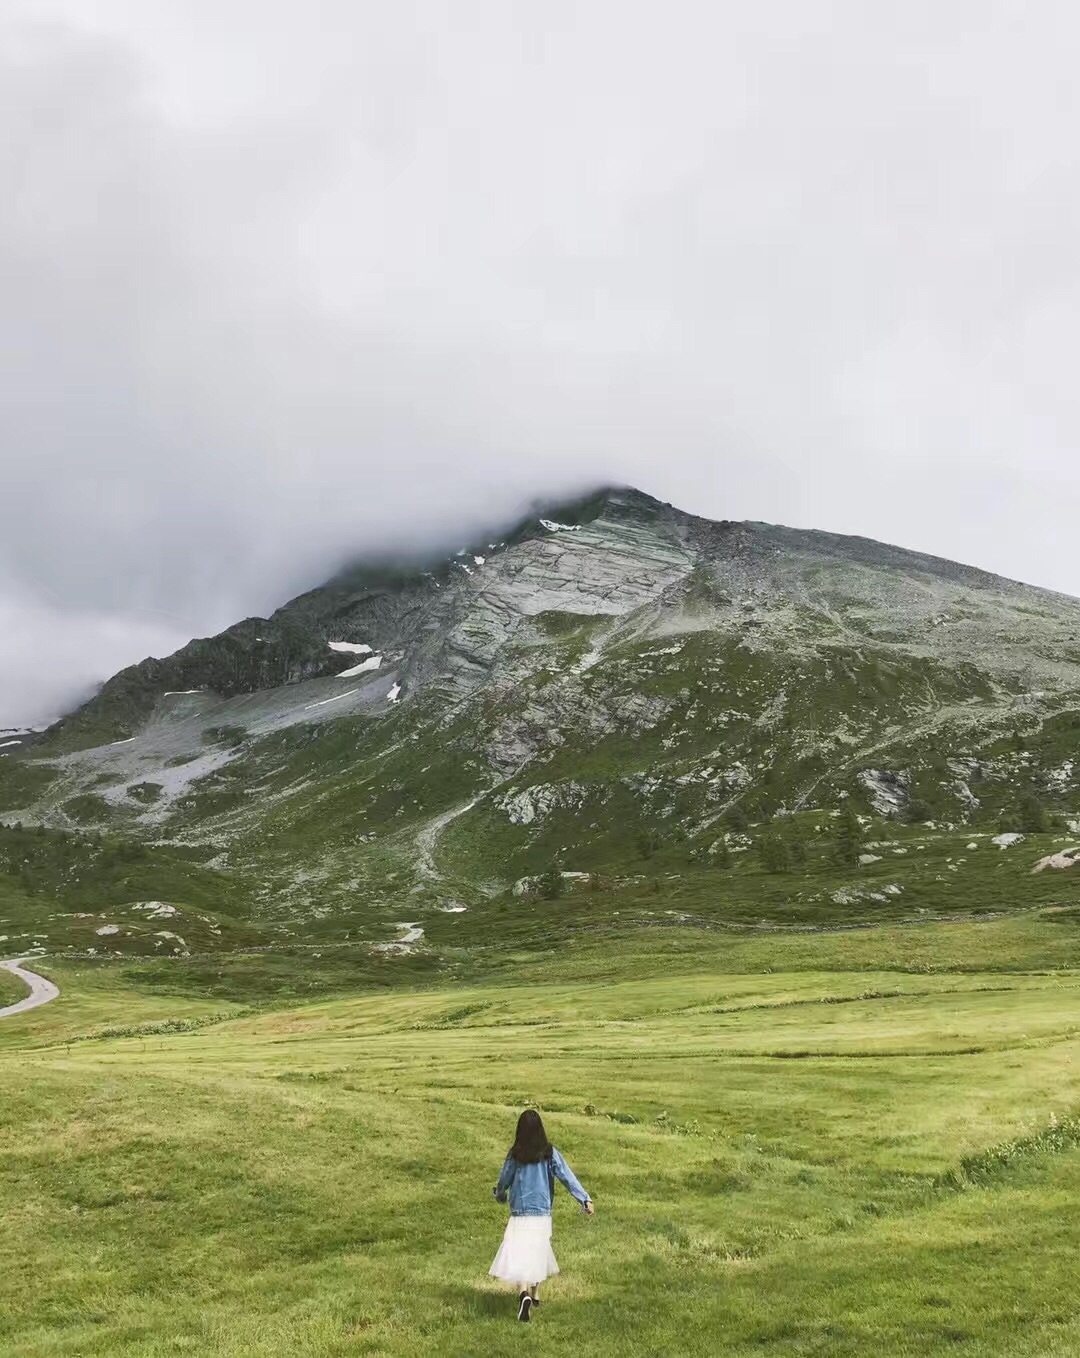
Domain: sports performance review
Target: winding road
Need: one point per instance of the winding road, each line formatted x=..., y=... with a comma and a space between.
x=41, y=990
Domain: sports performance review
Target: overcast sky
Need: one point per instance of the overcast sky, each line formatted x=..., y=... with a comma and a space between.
x=284, y=281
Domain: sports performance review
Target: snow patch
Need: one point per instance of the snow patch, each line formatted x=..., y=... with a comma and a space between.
x=363, y=668
x=394, y=695
x=335, y=699
x=554, y=527
x=352, y=647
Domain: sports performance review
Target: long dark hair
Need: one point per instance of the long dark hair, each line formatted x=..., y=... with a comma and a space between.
x=530, y=1140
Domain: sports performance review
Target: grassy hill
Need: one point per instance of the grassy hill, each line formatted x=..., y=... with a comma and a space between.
x=833, y=1143
x=724, y=843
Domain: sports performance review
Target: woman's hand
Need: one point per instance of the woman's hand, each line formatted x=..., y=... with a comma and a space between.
x=588, y=1208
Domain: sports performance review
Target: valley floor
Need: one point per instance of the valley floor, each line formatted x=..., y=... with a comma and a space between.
x=817, y=1145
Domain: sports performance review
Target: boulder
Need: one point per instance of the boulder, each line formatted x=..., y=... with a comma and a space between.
x=1064, y=858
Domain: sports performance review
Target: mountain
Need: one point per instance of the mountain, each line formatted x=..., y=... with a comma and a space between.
x=616, y=705
x=13, y=738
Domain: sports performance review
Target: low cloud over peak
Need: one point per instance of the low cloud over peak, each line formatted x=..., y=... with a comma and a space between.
x=283, y=284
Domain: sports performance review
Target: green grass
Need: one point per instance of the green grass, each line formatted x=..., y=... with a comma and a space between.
x=830, y=1144
x=60, y=889
x=21, y=782
x=11, y=988
x=917, y=870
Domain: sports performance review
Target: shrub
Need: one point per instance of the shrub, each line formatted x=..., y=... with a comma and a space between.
x=1031, y=815
x=919, y=811
x=648, y=841
x=849, y=837
x=774, y=853
x=550, y=883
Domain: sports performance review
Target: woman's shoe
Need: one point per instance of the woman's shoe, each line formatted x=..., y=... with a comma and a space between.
x=525, y=1305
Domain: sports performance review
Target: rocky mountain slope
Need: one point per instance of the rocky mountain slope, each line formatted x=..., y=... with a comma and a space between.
x=621, y=693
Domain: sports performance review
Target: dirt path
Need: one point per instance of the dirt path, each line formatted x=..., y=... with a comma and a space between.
x=41, y=990
x=428, y=838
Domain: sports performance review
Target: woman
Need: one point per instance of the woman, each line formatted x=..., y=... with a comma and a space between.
x=528, y=1177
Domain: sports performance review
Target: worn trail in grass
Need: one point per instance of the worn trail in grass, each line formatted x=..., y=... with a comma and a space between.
x=785, y=1161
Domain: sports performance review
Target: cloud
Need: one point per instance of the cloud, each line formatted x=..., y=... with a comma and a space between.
x=284, y=283
x=50, y=655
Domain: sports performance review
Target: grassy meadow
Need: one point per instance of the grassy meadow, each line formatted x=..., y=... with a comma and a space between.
x=835, y=1143
x=11, y=988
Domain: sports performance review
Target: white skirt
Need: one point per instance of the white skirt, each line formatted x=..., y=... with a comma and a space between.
x=525, y=1256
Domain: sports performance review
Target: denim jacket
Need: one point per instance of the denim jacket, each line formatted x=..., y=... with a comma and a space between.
x=532, y=1187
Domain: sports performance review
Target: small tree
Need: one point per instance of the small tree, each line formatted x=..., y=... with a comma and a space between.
x=774, y=852
x=551, y=882
x=765, y=805
x=648, y=841
x=1032, y=815
x=919, y=811
x=722, y=858
x=849, y=836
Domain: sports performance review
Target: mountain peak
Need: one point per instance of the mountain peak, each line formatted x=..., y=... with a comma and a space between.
x=449, y=624
x=612, y=672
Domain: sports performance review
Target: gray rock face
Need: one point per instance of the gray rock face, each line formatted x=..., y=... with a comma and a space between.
x=889, y=792
x=534, y=803
x=643, y=670
x=634, y=568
